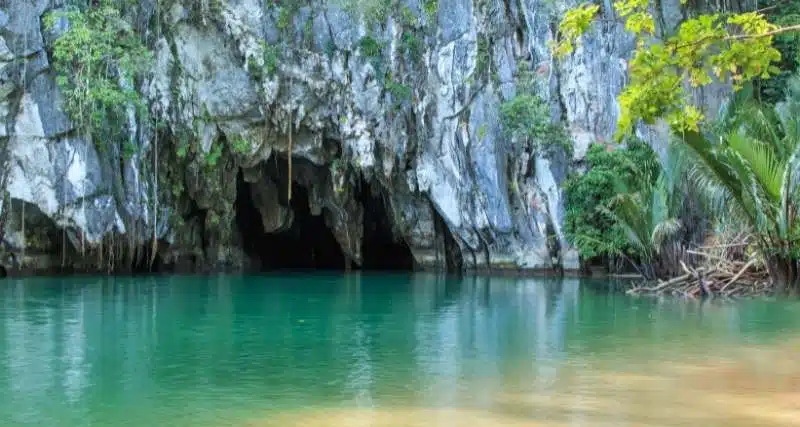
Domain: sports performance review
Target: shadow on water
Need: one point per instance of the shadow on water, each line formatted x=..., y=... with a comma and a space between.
x=368, y=349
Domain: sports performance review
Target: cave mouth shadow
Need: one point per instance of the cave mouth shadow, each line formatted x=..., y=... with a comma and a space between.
x=52, y=249
x=381, y=249
x=309, y=243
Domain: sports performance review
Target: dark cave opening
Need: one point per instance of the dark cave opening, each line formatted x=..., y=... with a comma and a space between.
x=380, y=249
x=147, y=258
x=453, y=261
x=50, y=249
x=307, y=244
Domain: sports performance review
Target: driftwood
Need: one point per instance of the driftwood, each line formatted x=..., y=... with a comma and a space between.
x=718, y=277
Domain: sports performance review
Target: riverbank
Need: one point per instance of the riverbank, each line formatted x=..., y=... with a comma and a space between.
x=723, y=279
x=50, y=270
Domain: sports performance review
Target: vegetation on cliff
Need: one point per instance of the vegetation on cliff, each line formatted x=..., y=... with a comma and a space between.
x=526, y=117
x=731, y=47
x=98, y=59
x=744, y=165
x=590, y=199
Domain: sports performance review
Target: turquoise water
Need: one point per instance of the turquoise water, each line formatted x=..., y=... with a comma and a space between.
x=386, y=350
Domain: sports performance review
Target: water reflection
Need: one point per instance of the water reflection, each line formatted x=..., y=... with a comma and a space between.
x=397, y=350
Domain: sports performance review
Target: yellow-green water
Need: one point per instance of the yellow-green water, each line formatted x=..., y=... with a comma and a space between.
x=388, y=351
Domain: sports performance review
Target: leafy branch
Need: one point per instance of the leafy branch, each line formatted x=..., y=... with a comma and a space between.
x=734, y=48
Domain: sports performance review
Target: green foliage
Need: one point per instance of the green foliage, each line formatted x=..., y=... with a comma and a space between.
x=372, y=50
x=182, y=151
x=783, y=14
x=308, y=31
x=637, y=18
x=573, y=25
x=374, y=12
x=400, y=92
x=527, y=117
x=97, y=61
x=482, y=57
x=213, y=155
x=411, y=45
x=182, y=145
x=370, y=47
x=590, y=223
x=200, y=11
x=270, y=57
x=213, y=218
x=749, y=170
x=285, y=17
x=267, y=64
x=482, y=131
x=240, y=144
x=129, y=149
x=330, y=48
x=646, y=211
x=431, y=9
x=407, y=18
x=736, y=48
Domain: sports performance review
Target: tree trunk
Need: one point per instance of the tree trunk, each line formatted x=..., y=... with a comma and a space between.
x=784, y=273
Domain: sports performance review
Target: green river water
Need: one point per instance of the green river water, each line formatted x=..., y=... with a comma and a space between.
x=387, y=351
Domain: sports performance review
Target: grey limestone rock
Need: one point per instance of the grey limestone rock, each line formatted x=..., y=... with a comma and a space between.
x=418, y=126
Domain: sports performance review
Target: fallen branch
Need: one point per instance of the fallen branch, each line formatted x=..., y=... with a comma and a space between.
x=719, y=268
x=738, y=275
x=741, y=280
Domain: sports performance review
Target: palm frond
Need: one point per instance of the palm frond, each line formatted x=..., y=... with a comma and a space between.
x=712, y=168
x=762, y=166
x=789, y=194
x=731, y=108
x=665, y=230
x=585, y=240
x=788, y=111
x=626, y=215
x=748, y=167
x=761, y=124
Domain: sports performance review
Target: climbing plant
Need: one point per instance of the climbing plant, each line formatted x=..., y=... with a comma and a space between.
x=97, y=61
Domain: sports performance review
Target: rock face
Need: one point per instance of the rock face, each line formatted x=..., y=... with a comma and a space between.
x=391, y=116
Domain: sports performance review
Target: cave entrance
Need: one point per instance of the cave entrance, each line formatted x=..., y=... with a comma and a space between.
x=380, y=249
x=308, y=243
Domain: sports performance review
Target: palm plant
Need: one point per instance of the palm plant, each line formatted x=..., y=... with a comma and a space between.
x=748, y=167
x=649, y=220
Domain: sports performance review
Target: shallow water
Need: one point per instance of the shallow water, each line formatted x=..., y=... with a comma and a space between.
x=388, y=351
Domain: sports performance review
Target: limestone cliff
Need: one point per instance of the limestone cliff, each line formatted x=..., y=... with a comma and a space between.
x=391, y=110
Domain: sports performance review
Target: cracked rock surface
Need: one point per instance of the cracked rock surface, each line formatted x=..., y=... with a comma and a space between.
x=415, y=126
